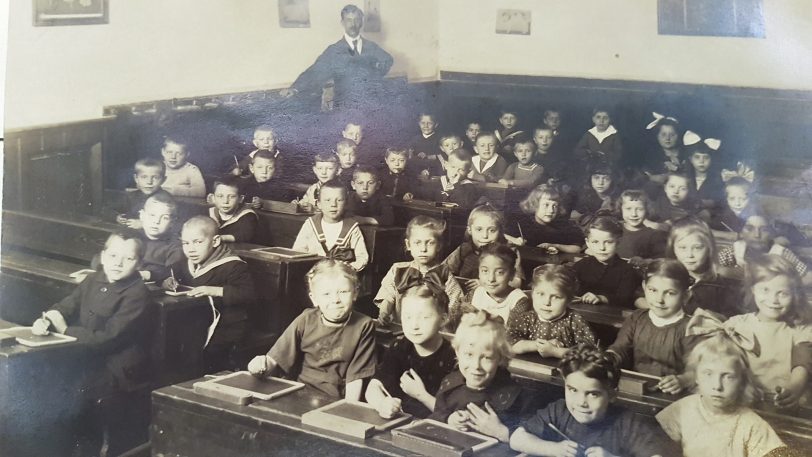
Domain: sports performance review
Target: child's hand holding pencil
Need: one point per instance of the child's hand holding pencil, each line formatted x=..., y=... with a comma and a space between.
x=171, y=283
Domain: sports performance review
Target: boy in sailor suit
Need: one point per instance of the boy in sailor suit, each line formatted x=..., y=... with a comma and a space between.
x=237, y=223
x=330, y=233
x=213, y=271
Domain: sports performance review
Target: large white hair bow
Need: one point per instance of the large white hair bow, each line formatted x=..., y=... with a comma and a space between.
x=741, y=171
x=690, y=138
x=658, y=118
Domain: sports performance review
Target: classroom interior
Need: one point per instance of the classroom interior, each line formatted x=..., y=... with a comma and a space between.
x=83, y=102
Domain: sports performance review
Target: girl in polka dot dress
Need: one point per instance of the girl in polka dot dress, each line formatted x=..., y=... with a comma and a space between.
x=550, y=327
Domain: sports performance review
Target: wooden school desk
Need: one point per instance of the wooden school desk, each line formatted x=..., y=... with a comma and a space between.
x=384, y=244
x=39, y=389
x=185, y=424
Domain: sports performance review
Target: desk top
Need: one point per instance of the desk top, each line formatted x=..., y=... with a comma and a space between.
x=284, y=412
x=16, y=350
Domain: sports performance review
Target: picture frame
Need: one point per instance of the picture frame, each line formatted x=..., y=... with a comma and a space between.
x=513, y=22
x=294, y=14
x=48, y=13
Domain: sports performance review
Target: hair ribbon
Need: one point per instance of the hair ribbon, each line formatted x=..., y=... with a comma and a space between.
x=658, y=118
x=690, y=138
x=741, y=171
x=705, y=323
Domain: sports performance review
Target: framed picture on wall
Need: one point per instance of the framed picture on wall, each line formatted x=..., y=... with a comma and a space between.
x=294, y=14
x=513, y=22
x=725, y=18
x=70, y=12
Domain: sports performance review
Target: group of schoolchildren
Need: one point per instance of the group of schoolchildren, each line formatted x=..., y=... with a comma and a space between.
x=647, y=247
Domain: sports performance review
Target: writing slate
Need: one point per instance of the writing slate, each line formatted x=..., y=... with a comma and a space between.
x=430, y=437
x=243, y=387
x=24, y=336
x=355, y=419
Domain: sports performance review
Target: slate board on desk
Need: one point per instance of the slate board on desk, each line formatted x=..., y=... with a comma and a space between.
x=355, y=419
x=24, y=336
x=242, y=387
x=436, y=439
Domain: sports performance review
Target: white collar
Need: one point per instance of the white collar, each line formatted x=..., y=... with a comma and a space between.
x=530, y=167
x=510, y=301
x=215, y=214
x=600, y=136
x=205, y=269
x=480, y=167
x=360, y=45
x=427, y=136
x=662, y=322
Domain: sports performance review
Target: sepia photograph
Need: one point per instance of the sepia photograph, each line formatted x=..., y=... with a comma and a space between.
x=513, y=22
x=498, y=228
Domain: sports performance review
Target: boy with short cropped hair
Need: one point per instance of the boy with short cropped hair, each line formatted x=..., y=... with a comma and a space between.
x=161, y=244
x=353, y=131
x=260, y=184
x=237, y=223
x=435, y=165
x=605, y=278
x=325, y=167
x=454, y=187
x=108, y=312
x=183, y=179
x=347, y=152
x=524, y=173
x=552, y=120
x=366, y=202
x=427, y=143
x=507, y=133
x=601, y=142
x=472, y=130
x=549, y=155
x=487, y=165
x=331, y=233
x=212, y=270
x=148, y=174
x=265, y=139
x=396, y=182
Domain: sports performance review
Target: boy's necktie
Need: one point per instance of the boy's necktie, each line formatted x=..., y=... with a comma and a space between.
x=354, y=49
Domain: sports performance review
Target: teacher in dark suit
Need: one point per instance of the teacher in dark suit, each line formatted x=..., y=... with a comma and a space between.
x=355, y=64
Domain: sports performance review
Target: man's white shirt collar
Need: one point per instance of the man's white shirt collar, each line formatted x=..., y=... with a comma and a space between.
x=359, y=46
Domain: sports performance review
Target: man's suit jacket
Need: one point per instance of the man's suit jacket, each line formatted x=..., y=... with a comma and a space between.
x=355, y=75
